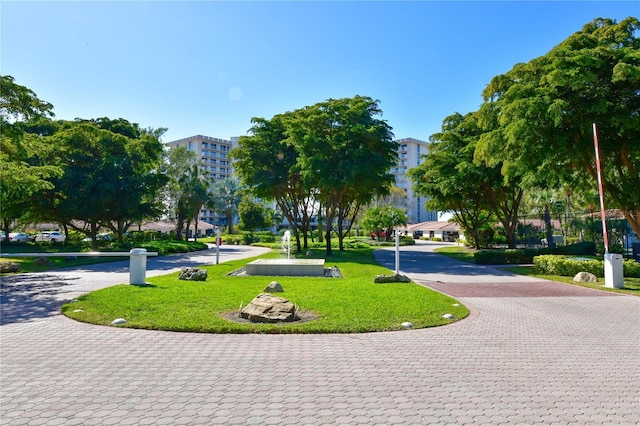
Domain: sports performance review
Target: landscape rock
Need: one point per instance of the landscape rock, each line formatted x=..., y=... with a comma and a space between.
x=274, y=287
x=407, y=325
x=396, y=278
x=118, y=321
x=585, y=277
x=268, y=308
x=449, y=316
x=6, y=267
x=333, y=272
x=192, y=274
x=41, y=261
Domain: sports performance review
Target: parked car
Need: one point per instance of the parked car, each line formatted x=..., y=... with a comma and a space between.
x=104, y=236
x=50, y=236
x=20, y=237
x=2, y=236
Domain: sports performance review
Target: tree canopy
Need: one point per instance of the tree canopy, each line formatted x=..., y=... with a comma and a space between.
x=544, y=112
x=534, y=132
x=21, y=174
x=335, y=155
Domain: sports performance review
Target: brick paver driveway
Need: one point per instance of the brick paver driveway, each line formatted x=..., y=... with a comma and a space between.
x=532, y=352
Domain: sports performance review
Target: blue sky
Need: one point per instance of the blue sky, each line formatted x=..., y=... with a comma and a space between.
x=208, y=67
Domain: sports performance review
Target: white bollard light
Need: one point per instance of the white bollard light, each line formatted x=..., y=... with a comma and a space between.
x=137, y=266
x=613, y=271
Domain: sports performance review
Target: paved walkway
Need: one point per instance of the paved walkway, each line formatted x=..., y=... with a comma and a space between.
x=532, y=352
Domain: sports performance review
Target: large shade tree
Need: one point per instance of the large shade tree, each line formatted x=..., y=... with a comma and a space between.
x=111, y=172
x=21, y=173
x=268, y=164
x=345, y=152
x=545, y=110
x=336, y=153
x=451, y=179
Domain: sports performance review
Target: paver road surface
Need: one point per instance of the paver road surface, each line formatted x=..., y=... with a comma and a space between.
x=531, y=352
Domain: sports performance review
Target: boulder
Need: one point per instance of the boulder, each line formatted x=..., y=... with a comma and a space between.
x=585, y=277
x=269, y=308
x=274, y=287
x=192, y=274
x=41, y=261
x=396, y=278
x=6, y=267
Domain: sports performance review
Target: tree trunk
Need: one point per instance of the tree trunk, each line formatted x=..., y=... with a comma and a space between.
x=548, y=227
x=328, y=222
x=320, y=224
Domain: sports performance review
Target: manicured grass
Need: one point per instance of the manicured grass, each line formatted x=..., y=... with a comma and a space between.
x=462, y=253
x=631, y=285
x=352, y=304
x=27, y=264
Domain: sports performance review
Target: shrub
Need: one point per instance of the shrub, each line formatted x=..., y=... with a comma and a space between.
x=504, y=257
x=266, y=237
x=567, y=267
x=513, y=256
x=406, y=240
x=234, y=239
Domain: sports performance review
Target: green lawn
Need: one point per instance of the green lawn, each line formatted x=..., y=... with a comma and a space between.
x=462, y=253
x=27, y=264
x=465, y=254
x=352, y=304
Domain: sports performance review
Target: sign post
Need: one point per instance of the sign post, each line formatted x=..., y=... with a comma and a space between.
x=218, y=241
x=397, y=252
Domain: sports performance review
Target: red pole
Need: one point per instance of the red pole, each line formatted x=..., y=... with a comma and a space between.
x=601, y=190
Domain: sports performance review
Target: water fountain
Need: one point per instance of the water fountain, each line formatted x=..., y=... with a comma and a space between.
x=287, y=266
x=286, y=243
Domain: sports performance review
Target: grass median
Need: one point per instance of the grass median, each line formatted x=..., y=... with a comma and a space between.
x=352, y=304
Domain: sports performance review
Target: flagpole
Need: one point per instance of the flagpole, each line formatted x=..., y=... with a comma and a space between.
x=601, y=190
x=613, y=271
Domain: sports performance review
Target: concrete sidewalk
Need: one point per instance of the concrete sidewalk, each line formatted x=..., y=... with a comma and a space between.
x=519, y=359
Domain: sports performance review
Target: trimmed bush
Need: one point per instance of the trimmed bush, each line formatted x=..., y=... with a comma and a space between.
x=567, y=267
x=504, y=257
x=514, y=256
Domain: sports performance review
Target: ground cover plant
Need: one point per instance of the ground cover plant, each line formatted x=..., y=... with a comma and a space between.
x=352, y=304
x=461, y=253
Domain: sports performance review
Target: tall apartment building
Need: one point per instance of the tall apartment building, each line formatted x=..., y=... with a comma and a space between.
x=214, y=153
x=410, y=152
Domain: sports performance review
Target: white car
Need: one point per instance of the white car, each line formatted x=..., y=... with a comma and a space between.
x=50, y=236
x=104, y=236
x=20, y=237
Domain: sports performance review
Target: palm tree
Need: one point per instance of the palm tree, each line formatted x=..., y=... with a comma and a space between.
x=227, y=195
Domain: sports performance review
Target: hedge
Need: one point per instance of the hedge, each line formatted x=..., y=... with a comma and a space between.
x=569, y=267
x=514, y=256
